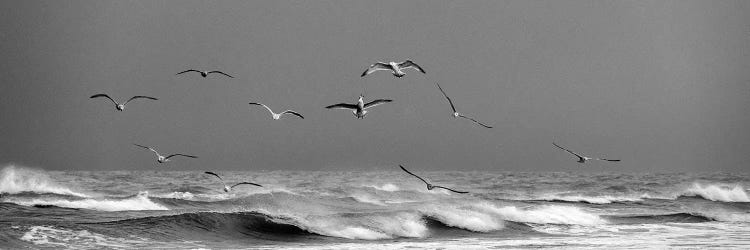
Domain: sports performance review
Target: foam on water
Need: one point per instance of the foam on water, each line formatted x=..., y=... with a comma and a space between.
x=49, y=236
x=388, y=187
x=14, y=180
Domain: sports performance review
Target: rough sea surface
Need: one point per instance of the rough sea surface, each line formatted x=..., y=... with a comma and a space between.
x=371, y=210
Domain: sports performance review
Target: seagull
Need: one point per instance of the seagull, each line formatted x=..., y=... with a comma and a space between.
x=229, y=188
x=396, y=68
x=581, y=159
x=121, y=106
x=359, y=109
x=275, y=115
x=161, y=158
x=430, y=186
x=456, y=113
x=205, y=73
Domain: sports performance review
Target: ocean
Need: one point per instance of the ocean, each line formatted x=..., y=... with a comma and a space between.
x=371, y=210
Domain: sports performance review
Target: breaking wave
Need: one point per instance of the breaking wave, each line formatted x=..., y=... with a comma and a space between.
x=14, y=180
x=550, y=214
x=718, y=192
x=138, y=202
x=286, y=227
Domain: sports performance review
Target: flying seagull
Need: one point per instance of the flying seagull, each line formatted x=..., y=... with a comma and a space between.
x=581, y=158
x=161, y=158
x=360, y=108
x=456, y=113
x=205, y=73
x=394, y=67
x=275, y=115
x=430, y=186
x=229, y=188
x=121, y=106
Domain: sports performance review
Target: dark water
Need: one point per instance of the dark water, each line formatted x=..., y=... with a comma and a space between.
x=367, y=210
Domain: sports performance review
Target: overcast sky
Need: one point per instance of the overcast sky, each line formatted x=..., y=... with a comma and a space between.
x=662, y=85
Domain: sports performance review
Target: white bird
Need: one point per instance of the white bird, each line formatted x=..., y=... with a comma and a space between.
x=430, y=186
x=121, y=106
x=205, y=73
x=162, y=159
x=275, y=115
x=581, y=158
x=359, y=109
x=395, y=68
x=228, y=188
x=456, y=113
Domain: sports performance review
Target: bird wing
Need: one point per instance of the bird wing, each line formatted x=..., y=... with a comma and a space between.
x=574, y=153
x=214, y=174
x=376, y=103
x=248, y=183
x=261, y=104
x=342, y=106
x=474, y=120
x=188, y=71
x=191, y=156
x=375, y=67
x=139, y=97
x=293, y=113
x=455, y=191
x=149, y=148
x=407, y=171
x=409, y=64
x=446, y=97
x=216, y=71
x=104, y=95
x=605, y=159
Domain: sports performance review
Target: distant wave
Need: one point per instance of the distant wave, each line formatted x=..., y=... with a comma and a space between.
x=718, y=192
x=601, y=199
x=138, y=202
x=14, y=180
x=659, y=218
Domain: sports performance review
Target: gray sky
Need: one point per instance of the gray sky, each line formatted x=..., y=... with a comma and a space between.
x=663, y=85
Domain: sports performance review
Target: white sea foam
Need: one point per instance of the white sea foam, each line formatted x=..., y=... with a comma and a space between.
x=139, y=202
x=176, y=195
x=63, y=238
x=719, y=192
x=15, y=180
x=544, y=215
x=388, y=187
